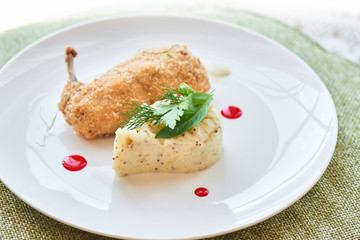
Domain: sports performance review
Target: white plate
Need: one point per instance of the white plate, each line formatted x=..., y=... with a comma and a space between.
x=272, y=155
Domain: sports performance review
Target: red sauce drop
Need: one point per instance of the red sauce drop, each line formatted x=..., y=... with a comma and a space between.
x=74, y=162
x=231, y=112
x=201, y=192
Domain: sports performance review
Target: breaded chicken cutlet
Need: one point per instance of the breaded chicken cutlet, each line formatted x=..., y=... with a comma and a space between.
x=94, y=109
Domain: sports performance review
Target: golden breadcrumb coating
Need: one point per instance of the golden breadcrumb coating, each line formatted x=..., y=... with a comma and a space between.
x=94, y=109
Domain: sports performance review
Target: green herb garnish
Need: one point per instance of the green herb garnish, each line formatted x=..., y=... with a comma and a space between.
x=181, y=109
x=139, y=115
x=167, y=51
x=47, y=127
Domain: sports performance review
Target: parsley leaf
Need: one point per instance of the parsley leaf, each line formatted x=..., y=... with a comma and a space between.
x=172, y=113
x=199, y=104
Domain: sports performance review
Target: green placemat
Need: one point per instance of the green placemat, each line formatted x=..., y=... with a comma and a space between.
x=330, y=210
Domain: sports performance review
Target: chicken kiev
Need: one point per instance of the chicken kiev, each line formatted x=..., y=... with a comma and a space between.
x=94, y=109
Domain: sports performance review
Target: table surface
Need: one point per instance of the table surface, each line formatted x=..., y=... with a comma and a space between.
x=334, y=25
x=337, y=33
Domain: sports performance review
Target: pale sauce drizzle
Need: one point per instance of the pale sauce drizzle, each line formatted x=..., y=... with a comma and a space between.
x=216, y=71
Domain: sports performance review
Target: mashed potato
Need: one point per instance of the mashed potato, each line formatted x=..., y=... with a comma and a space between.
x=138, y=151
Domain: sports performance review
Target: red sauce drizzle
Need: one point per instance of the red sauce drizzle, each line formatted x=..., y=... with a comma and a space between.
x=74, y=162
x=231, y=112
x=201, y=192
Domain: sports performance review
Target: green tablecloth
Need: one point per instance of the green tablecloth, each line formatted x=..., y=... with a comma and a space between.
x=330, y=210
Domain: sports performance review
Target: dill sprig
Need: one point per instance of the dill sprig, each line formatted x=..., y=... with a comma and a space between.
x=173, y=96
x=167, y=51
x=138, y=115
x=47, y=127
